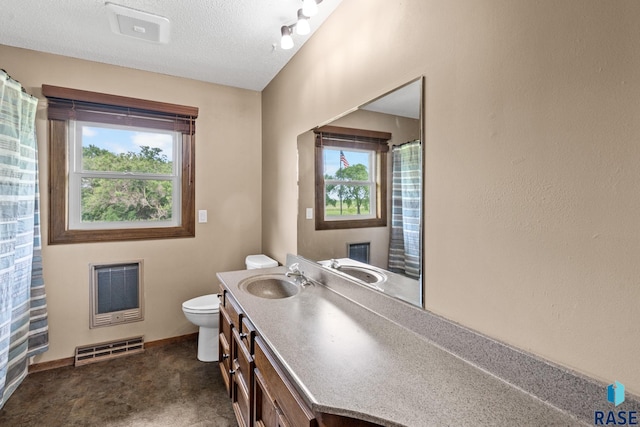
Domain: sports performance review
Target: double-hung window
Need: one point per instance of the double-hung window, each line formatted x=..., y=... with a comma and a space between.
x=123, y=177
x=120, y=168
x=351, y=178
x=349, y=183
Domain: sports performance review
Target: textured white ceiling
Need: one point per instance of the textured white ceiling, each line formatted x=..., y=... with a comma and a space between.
x=229, y=42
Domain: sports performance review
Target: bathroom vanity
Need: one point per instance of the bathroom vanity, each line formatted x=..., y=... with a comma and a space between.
x=259, y=389
x=328, y=354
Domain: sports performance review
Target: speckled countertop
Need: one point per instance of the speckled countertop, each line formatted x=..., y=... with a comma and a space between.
x=348, y=360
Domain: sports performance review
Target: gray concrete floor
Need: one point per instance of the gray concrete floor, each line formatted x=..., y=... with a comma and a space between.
x=164, y=386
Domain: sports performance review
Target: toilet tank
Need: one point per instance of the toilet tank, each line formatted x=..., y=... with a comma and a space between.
x=260, y=261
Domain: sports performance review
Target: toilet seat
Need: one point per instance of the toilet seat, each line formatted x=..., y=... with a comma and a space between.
x=205, y=304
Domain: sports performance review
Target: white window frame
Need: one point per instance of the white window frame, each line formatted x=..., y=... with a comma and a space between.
x=372, y=183
x=76, y=174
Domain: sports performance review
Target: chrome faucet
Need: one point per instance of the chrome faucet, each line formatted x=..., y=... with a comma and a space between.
x=294, y=271
x=334, y=264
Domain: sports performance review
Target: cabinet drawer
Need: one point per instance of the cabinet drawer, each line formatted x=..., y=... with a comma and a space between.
x=288, y=405
x=247, y=334
x=224, y=327
x=232, y=309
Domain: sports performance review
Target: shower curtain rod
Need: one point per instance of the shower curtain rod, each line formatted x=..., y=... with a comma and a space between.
x=408, y=142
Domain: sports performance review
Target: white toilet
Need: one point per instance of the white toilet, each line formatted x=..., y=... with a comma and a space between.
x=203, y=312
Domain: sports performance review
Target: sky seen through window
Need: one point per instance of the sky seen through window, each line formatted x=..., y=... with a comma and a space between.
x=119, y=141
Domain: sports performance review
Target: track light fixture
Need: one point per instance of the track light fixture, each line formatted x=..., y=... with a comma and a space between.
x=302, y=27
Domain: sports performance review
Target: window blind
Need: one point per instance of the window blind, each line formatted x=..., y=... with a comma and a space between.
x=74, y=104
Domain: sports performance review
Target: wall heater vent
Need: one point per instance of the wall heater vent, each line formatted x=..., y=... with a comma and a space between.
x=108, y=350
x=116, y=293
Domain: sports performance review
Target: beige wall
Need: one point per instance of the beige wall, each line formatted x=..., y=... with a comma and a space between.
x=228, y=174
x=532, y=181
x=327, y=244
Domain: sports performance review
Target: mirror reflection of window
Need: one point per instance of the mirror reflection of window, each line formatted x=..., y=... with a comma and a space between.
x=349, y=186
x=351, y=178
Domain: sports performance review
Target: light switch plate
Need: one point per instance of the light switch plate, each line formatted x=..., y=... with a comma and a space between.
x=309, y=213
x=202, y=216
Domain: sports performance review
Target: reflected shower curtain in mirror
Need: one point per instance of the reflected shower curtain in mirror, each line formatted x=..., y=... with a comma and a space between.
x=23, y=310
x=405, y=243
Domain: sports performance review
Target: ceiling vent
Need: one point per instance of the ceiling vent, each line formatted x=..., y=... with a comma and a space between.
x=138, y=24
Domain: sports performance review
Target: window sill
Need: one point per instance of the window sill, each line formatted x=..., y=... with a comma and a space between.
x=132, y=234
x=358, y=223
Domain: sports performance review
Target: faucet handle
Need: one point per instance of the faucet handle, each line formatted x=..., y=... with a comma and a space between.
x=294, y=268
x=334, y=263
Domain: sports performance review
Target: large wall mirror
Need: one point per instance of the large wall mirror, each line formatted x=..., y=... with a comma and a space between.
x=340, y=179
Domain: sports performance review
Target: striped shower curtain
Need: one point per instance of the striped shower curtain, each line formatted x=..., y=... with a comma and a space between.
x=23, y=310
x=405, y=243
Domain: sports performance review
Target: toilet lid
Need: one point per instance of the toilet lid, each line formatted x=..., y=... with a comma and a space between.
x=203, y=303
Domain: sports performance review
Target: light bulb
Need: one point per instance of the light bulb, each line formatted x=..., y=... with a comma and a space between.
x=286, y=42
x=302, y=26
x=309, y=7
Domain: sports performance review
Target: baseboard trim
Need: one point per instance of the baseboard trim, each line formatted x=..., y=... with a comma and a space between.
x=52, y=364
x=172, y=340
x=70, y=361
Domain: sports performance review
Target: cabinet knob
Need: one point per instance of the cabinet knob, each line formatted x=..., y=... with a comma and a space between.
x=225, y=356
x=232, y=371
x=243, y=335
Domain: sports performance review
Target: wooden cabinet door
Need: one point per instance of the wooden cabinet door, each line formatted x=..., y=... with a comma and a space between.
x=243, y=381
x=267, y=413
x=236, y=365
x=281, y=419
x=286, y=407
x=224, y=348
x=264, y=409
